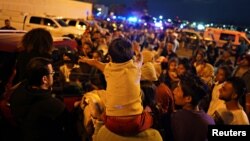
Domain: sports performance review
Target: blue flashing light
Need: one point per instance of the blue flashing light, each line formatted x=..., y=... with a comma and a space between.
x=98, y=14
x=121, y=18
x=161, y=17
x=132, y=19
x=108, y=19
x=114, y=17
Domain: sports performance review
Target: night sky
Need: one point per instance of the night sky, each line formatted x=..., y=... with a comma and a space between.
x=218, y=11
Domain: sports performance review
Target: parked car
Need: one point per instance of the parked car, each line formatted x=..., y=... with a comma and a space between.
x=78, y=23
x=192, y=34
x=55, y=25
x=192, y=38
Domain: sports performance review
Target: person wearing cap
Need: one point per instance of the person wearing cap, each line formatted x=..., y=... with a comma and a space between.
x=148, y=67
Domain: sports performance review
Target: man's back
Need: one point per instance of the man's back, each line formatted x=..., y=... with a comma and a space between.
x=8, y=28
x=39, y=116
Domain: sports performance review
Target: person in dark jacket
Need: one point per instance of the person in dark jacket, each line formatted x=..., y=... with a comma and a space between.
x=7, y=25
x=39, y=115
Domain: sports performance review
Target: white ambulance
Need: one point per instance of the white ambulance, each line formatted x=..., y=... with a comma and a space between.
x=222, y=36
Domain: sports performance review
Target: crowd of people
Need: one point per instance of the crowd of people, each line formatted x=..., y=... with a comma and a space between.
x=136, y=87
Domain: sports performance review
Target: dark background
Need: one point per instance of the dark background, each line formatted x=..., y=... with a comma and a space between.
x=235, y=12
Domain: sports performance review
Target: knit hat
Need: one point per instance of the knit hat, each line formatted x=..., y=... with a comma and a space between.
x=148, y=72
x=148, y=56
x=158, y=69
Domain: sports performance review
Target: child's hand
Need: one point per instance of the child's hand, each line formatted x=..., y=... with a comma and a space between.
x=136, y=47
x=86, y=60
x=93, y=62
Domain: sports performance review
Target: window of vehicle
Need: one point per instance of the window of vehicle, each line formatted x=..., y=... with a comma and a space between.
x=61, y=22
x=191, y=35
x=49, y=22
x=82, y=24
x=227, y=37
x=35, y=20
x=65, y=20
x=72, y=23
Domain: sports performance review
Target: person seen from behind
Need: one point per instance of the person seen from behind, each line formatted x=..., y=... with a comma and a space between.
x=122, y=97
x=37, y=42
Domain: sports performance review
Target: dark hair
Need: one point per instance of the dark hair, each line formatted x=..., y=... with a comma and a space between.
x=245, y=56
x=6, y=20
x=91, y=46
x=193, y=86
x=201, y=52
x=37, y=40
x=239, y=86
x=148, y=89
x=99, y=52
x=37, y=68
x=121, y=50
x=227, y=70
x=187, y=65
x=173, y=59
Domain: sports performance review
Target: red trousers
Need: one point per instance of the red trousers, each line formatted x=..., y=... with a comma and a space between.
x=128, y=125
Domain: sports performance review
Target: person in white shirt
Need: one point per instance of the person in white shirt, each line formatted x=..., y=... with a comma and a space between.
x=223, y=73
x=175, y=42
x=231, y=92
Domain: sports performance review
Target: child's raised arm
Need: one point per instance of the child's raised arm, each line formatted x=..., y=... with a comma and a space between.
x=138, y=59
x=99, y=65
